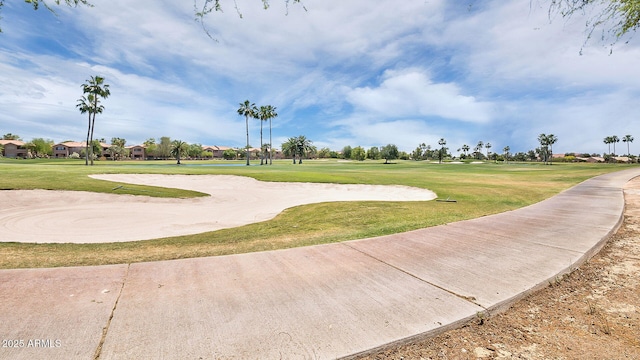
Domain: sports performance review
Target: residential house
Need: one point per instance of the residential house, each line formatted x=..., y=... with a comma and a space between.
x=137, y=152
x=13, y=149
x=65, y=149
x=217, y=151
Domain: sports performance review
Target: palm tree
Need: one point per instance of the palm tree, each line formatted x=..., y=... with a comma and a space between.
x=628, y=139
x=262, y=117
x=544, y=146
x=266, y=113
x=271, y=114
x=248, y=109
x=488, y=146
x=442, y=142
x=289, y=148
x=551, y=139
x=94, y=86
x=178, y=147
x=303, y=146
x=506, y=153
x=607, y=140
x=478, y=149
x=465, y=148
x=614, y=140
x=85, y=105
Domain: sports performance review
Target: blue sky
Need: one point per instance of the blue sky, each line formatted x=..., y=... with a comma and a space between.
x=341, y=73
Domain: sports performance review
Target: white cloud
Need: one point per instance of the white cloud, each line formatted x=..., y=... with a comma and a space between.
x=411, y=92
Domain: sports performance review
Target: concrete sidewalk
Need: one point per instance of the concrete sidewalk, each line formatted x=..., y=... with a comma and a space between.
x=319, y=302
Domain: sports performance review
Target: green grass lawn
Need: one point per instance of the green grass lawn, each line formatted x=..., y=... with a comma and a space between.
x=480, y=189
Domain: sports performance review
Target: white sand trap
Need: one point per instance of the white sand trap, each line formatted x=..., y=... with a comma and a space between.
x=82, y=217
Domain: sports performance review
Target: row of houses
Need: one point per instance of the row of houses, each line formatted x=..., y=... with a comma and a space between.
x=18, y=149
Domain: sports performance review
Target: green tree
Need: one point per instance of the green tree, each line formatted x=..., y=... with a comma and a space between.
x=297, y=147
x=289, y=148
x=303, y=147
x=546, y=146
x=163, y=149
x=229, y=154
x=389, y=152
x=207, y=155
x=151, y=148
x=373, y=153
x=346, y=152
x=94, y=90
x=195, y=151
x=616, y=17
x=358, y=153
x=117, y=150
x=178, y=148
x=40, y=147
x=324, y=153
x=248, y=109
x=505, y=150
x=10, y=136
x=488, y=146
x=628, y=139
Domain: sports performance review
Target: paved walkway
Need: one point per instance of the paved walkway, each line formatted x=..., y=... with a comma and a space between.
x=318, y=302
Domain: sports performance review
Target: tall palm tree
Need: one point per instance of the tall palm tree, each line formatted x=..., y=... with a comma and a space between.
x=261, y=115
x=442, y=142
x=551, y=139
x=248, y=109
x=544, y=146
x=607, y=140
x=265, y=113
x=94, y=86
x=506, y=153
x=628, y=139
x=488, y=146
x=85, y=105
x=178, y=147
x=478, y=149
x=614, y=140
x=271, y=114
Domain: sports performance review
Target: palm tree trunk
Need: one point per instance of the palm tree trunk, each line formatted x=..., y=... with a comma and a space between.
x=93, y=124
x=261, y=147
x=270, y=145
x=247, y=125
x=86, y=150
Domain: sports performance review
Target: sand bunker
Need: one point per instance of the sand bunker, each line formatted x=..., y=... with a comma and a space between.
x=81, y=217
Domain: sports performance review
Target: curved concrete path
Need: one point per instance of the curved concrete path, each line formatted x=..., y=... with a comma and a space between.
x=319, y=302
